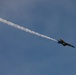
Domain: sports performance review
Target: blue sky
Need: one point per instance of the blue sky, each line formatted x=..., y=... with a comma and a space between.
x=22, y=53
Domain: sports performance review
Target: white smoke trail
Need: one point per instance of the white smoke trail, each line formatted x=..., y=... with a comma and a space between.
x=25, y=29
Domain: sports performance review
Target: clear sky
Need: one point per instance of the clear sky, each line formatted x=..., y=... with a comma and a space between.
x=22, y=53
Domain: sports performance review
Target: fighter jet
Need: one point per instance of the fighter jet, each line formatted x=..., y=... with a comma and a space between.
x=64, y=43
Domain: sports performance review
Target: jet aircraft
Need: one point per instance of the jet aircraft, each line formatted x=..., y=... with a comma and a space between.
x=64, y=43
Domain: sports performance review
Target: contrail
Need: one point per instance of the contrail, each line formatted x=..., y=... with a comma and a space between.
x=25, y=29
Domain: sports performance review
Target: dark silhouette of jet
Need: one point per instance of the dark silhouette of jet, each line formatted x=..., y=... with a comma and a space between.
x=64, y=43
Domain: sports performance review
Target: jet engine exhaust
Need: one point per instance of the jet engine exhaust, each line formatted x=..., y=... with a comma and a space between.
x=25, y=29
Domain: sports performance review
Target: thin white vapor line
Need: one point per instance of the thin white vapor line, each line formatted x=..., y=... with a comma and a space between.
x=25, y=29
